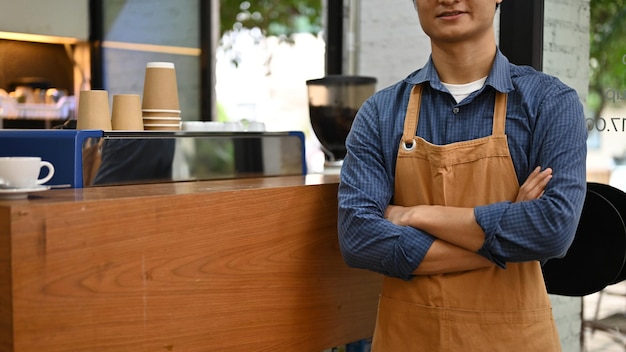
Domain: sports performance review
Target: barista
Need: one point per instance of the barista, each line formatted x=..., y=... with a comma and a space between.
x=430, y=191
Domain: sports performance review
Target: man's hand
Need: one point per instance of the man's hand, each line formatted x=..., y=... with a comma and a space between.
x=535, y=185
x=394, y=213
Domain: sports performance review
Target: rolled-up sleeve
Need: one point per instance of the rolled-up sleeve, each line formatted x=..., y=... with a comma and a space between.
x=543, y=228
x=545, y=127
x=367, y=240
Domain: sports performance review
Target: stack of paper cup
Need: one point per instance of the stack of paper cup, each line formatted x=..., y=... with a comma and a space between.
x=160, y=106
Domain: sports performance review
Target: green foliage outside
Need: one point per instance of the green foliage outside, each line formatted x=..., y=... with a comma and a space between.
x=280, y=18
x=607, y=80
x=266, y=18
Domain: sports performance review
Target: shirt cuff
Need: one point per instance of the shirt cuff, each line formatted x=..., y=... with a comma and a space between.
x=407, y=254
x=488, y=217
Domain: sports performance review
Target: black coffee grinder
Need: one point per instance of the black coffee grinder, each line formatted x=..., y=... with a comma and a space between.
x=333, y=103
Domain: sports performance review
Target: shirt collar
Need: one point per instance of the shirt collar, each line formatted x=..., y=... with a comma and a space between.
x=499, y=76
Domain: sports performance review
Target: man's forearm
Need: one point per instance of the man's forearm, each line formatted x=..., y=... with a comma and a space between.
x=444, y=258
x=451, y=224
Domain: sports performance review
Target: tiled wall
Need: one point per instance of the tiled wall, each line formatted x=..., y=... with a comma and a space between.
x=393, y=45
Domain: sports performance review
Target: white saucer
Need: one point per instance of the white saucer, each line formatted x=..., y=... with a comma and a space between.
x=20, y=193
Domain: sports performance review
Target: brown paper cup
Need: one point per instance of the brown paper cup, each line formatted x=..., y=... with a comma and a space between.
x=126, y=113
x=161, y=127
x=162, y=120
x=93, y=110
x=160, y=90
x=160, y=113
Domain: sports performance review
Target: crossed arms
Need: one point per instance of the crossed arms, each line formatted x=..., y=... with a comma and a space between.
x=458, y=234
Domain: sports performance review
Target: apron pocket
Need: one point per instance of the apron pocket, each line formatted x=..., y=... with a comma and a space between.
x=537, y=336
x=406, y=326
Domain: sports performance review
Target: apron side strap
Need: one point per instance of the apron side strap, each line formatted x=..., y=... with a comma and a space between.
x=499, y=114
x=412, y=115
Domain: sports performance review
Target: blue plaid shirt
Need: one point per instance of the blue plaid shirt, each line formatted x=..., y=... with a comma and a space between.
x=545, y=127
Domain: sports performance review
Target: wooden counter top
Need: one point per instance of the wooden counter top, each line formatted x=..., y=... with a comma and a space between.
x=61, y=195
x=233, y=265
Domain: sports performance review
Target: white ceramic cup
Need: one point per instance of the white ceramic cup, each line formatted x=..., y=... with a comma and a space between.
x=23, y=172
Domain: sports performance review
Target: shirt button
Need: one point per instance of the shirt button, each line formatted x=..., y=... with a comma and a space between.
x=456, y=110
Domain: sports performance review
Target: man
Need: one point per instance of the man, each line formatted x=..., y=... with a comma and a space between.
x=430, y=192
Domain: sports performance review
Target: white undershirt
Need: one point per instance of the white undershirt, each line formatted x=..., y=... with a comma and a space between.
x=461, y=91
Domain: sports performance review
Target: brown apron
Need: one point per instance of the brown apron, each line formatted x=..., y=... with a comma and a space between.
x=491, y=309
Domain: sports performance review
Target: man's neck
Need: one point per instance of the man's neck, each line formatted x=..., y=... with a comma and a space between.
x=459, y=63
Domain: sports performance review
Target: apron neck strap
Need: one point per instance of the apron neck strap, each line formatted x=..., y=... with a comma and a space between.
x=499, y=114
x=413, y=110
x=412, y=115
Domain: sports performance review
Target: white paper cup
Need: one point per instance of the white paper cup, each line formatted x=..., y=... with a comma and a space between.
x=23, y=172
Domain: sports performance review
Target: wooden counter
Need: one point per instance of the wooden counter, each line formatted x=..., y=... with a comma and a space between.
x=235, y=265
